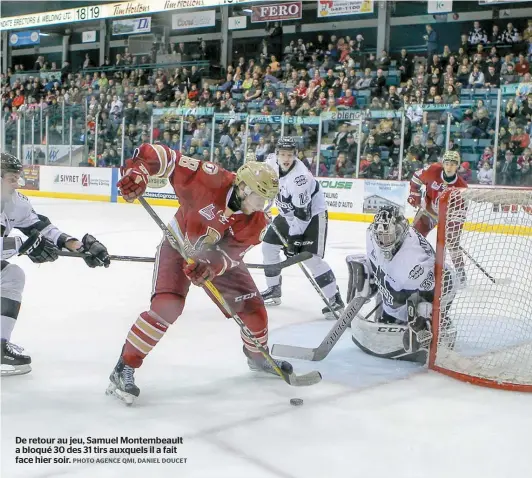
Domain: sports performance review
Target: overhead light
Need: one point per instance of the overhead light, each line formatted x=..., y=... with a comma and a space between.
x=247, y=10
x=44, y=34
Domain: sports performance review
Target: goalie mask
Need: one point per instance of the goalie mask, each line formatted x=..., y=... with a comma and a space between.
x=389, y=229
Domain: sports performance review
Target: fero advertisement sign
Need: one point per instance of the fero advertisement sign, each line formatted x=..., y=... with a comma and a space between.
x=276, y=12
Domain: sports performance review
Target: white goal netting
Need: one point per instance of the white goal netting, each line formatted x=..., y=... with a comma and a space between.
x=492, y=318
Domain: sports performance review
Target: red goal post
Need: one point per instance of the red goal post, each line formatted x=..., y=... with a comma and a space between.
x=490, y=319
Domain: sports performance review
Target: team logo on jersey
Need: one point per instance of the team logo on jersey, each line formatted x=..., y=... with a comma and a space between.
x=416, y=272
x=435, y=185
x=300, y=180
x=208, y=212
x=211, y=237
x=209, y=168
x=428, y=283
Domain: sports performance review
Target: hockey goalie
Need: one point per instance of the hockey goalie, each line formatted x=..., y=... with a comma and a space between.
x=398, y=272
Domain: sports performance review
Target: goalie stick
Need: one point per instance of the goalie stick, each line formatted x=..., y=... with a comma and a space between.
x=177, y=242
x=321, y=351
x=270, y=267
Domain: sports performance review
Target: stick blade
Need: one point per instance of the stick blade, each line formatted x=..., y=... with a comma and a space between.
x=306, y=380
x=293, y=351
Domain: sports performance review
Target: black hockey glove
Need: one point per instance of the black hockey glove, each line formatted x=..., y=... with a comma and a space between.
x=96, y=254
x=38, y=248
x=294, y=245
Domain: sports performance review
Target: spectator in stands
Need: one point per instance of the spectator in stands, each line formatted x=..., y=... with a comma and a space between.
x=477, y=35
x=344, y=168
x=431, y=37
x=522, y=66
x=485, y=175
x=476, y=78
x=507, y=170
x=510, y=35
x=465, y=171
x=492, y=79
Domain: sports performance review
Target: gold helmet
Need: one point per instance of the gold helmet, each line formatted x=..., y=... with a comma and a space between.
x=260, y=178
x=450, y=155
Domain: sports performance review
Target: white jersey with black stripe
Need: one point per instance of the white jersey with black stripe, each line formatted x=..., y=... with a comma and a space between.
x=300, y=196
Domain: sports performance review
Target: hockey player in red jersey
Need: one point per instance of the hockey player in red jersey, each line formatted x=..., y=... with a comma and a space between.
x=221, y=217
x=436, y=178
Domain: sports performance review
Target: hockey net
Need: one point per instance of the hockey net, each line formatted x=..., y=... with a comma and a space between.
x=483, y=329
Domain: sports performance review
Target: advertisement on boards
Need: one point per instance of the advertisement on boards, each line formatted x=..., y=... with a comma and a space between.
x=276, y=12
x=201, y=19
x=29, y=178
x=384, y=193
x=159, y=188
x=338, y=8
x=339, y=194
x=96, y=181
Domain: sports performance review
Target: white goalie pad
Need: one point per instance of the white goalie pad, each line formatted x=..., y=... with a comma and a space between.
x=384, y=340
x=361, y=282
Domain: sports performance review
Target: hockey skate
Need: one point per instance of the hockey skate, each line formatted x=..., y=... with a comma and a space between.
x=122, y=384
x=272, y=295
x=336, y=303
x=14, y=362
x=260, y=364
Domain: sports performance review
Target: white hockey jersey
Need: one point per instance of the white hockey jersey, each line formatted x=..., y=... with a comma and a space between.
x=17, y=212
x=300, y=196
x=410, y=270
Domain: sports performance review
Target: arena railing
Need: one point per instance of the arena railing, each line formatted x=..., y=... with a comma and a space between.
x=71, y=135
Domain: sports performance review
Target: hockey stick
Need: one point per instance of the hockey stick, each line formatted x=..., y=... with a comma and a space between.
x=307, y=274
x=484, y=271
x=273, y=267
x=321, y=351
x=177, y=242
x=113, y=258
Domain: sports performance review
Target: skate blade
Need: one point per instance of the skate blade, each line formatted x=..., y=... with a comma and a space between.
x=124, y=397
x=330, y=316
x=272, y=302
x=8, y=370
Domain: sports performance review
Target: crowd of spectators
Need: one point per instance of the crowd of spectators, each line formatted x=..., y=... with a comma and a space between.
x=328, y=75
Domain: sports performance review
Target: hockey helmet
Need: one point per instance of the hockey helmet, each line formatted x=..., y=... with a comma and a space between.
x=259, y=178
x=451, y=156
x=10, y=163
x=286, y=142
x=389, y=229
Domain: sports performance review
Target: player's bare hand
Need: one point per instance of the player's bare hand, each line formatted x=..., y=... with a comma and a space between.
x=134, y=180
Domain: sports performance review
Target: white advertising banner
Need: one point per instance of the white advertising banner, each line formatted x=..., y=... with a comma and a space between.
x=108, y=10
x=237, y=23
x=337, y=8
x=131, y=26
x=379, y=193
x=88, y=37
x=340, y=194
x=159, y=188
x=55, y=153
x=90, y=181
x=201, y=19
x=440, y=6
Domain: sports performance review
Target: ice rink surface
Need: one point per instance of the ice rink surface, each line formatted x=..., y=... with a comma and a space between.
x=369, y=417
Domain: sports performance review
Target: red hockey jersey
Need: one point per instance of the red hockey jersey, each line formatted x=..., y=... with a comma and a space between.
x=431, y=176
x=204, y=189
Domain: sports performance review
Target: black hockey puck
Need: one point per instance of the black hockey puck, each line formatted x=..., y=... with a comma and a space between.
x=297, y=402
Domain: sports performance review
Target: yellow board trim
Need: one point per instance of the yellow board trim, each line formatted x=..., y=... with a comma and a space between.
x=512, y=230
x=81, y=197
